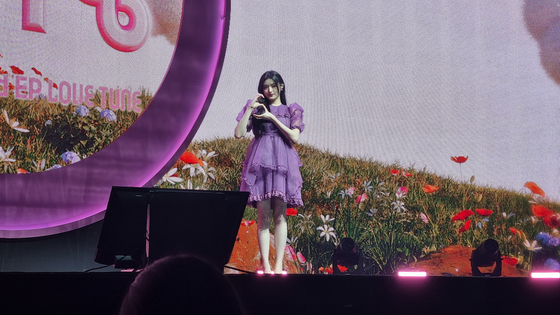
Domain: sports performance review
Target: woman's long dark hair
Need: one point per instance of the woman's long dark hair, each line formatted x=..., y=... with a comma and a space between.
x=258, y=127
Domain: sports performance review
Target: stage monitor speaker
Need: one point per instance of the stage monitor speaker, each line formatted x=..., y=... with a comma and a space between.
x=122, y=241
x=144, y=224
x=197, y=222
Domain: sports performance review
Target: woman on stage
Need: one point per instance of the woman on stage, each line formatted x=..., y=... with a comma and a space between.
x=271, y=168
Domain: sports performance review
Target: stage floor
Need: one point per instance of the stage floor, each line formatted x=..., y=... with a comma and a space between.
x=101, y=293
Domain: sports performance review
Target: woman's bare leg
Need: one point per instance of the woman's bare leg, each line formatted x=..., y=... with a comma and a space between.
x=263, y=232
x=280, y=232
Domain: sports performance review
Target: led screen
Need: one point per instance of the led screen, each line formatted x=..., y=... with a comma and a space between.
x=430, y=127
x=97, y=94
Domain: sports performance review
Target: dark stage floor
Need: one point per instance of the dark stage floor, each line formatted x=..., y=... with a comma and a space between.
x=101, y=292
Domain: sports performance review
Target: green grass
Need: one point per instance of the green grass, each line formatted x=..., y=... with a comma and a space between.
x=389, y=230
x=55, y=129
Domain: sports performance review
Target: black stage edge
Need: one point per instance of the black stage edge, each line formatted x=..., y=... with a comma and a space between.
x=101, y=292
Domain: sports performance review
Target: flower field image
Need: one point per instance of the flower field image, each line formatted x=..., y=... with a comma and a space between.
x=399, y=218
x=39, y=134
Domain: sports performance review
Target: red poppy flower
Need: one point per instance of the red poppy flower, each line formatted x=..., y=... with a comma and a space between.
x=484, y=212
x=11, y=87
x=21, y=171
x=329, y=270
x=46, y=80
x=552, y=220
x=395, y=172
x=55, y=86
x=405, y=174
x=534, y=188
x=462, y=215
x=541, y=211
x=510, y=260
x=248, y=222
x=190, y=158
x=16, y=70
x=342, y=268
x=361, y=198
x=459, y=159
x=430, y=189
x=3, y=72
x=515, y=231
x=37, y=71
x=465, y=227
x=291, y=212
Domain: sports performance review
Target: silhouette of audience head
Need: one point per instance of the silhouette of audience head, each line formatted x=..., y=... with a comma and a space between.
x=181, y=284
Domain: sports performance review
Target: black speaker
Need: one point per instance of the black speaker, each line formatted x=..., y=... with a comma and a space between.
x=142, y=225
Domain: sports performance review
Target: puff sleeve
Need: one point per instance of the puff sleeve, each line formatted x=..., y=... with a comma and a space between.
x=296, y=117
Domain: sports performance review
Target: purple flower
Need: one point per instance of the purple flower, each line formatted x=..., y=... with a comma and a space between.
x=108, y=114
x=70, y=157
x=82, y=111
x=547, y=240
x=552, y=264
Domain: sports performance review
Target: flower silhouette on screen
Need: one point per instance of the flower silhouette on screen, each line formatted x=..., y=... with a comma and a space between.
x=535, y=189
x=484, y=212
x=109, y=115
x=16, y=70
x=36, y=71
x=459, y=159
x=361, y=198
x=5, y=155
x=327, y=232
x=291, y=212
x=430, y=189
x=512, y=261
x=552, y=220
x=424, y=218
x=70, y=157
x=532, y=246
x=541, y=211
x=13, y=123
x=191, y=158
x=515, y=231
x=465, y=227
x=462, y=215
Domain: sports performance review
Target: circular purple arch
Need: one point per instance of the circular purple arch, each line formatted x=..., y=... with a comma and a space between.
x=64, y=199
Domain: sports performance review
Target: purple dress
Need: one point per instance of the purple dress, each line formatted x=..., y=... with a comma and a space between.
x=271, y=166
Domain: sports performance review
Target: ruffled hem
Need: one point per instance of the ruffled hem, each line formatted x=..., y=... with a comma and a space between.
x=291, y=201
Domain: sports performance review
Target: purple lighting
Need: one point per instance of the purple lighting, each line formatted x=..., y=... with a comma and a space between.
x=64, y=199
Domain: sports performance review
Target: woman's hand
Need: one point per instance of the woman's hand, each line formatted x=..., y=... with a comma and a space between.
x=266, y=115
x=255, y=103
